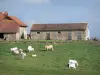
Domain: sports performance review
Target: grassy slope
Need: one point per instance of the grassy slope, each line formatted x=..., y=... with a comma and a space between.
x=51, y=63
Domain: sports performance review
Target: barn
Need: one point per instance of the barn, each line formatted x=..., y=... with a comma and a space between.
x=68, y=31
x=11, y=28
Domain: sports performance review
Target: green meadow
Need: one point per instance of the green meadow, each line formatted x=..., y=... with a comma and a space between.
x=87, y=54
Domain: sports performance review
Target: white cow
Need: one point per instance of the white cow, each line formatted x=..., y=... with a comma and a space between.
x=30, y=48
x=15, y=50
x=47, y=47
x=73, y=64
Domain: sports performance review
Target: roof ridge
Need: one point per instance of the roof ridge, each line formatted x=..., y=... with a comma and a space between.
x=58, y=23
x=17, y=20
x=66, y=26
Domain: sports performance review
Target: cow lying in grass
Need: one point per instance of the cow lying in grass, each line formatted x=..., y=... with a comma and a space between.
x=14, y=50
x=30, y=48
x=34, y=55
x=72, y=64
x=17, y=51
x=48, y=47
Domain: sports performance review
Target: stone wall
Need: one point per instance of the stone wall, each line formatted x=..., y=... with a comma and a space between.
x=56, y=35
x=11, y=36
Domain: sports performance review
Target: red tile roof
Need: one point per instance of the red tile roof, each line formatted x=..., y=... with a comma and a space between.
x=18, y=21
x=4, y=15
x=8, y=26
x=67, y=26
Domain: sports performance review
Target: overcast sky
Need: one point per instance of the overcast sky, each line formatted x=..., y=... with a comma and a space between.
x=55, y=11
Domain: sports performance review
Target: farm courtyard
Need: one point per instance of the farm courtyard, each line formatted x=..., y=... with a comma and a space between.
x=51, y=62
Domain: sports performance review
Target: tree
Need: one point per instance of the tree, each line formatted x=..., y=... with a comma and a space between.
x=22, y=36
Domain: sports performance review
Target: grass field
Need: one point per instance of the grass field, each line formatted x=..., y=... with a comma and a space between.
x=51, y=62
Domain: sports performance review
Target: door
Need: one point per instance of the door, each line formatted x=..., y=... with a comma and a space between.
x=69, y=35
x=47, y=36
x=1, y=36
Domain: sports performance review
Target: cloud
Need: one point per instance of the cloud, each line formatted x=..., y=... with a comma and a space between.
x=30, y=23
x=37, y=1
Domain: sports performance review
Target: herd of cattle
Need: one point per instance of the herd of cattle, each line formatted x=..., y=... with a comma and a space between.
x=15, y=50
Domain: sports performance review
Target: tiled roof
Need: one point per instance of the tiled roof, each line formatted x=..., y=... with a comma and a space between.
x=18, y=21
x=4, y=15
x=8, y=26
x=67, y=26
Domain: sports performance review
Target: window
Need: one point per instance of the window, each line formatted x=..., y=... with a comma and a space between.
x=1, y=35
x=79, y=35
x=69, y=35
x=59, y=32
x=38, y=32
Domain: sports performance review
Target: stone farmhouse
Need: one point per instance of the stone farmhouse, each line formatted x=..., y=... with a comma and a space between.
x=68, y=31
x=11, y=28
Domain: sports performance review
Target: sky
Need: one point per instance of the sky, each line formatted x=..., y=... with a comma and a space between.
x=55, y=11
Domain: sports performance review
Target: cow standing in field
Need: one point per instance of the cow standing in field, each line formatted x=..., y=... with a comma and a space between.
x=72, y=64
x=30, y=48
x=48, y=47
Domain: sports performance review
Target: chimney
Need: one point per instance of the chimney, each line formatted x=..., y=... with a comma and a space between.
x=5, y=13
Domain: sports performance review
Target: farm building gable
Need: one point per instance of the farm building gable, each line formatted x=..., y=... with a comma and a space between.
x=4, y=15
x=12, y=25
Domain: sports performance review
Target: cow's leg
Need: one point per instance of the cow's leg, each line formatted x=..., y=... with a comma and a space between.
x=74, y=67
x=69, y=66
x=52, y=48
x=47, y=49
